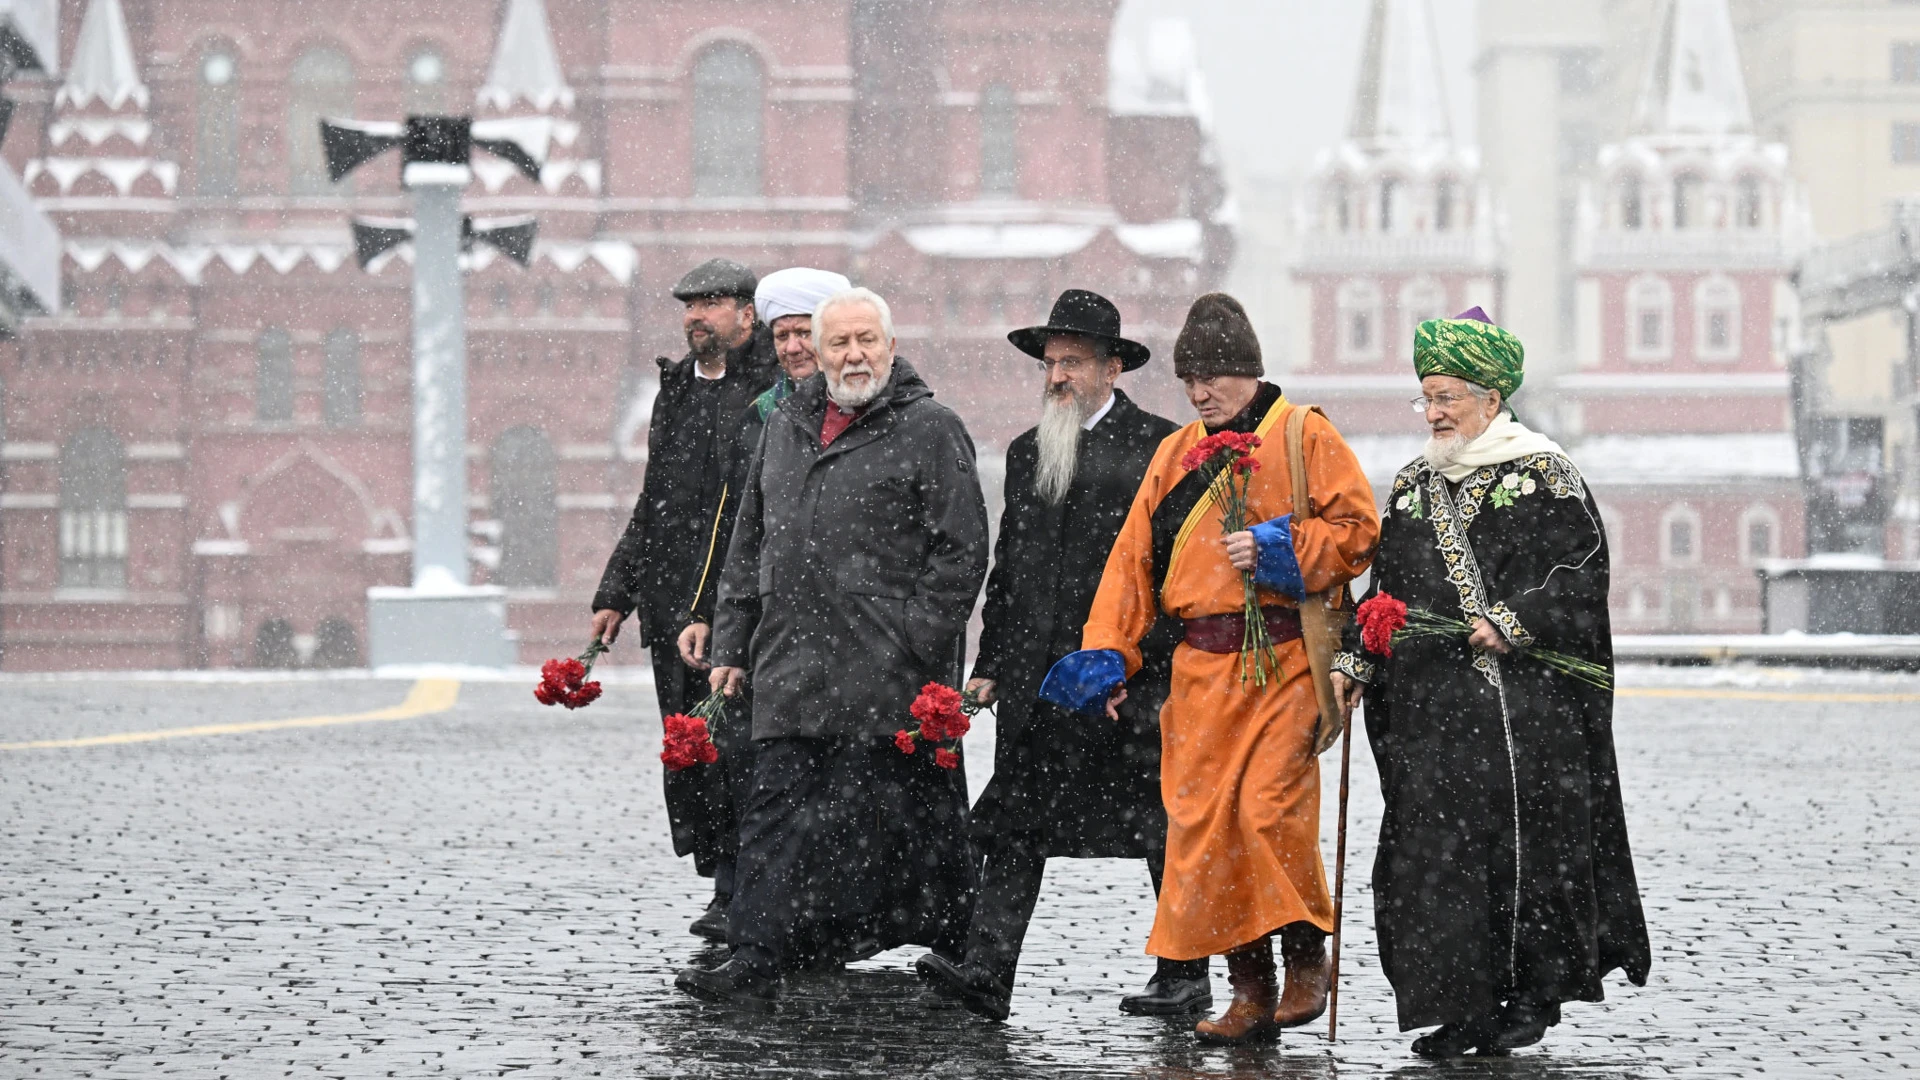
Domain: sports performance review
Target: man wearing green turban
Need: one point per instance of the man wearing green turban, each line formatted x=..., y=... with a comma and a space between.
x=1503, y=884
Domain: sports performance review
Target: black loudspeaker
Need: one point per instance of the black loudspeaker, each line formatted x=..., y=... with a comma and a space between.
x=350, y=143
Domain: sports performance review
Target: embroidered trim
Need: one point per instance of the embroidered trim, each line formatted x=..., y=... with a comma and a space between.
x=1353, y=667
x=1461, y=569
x=1509, y=624
x=1556, y=472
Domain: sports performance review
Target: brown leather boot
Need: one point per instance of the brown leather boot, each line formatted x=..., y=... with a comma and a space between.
x=1249, y=1017
x=1309, y=975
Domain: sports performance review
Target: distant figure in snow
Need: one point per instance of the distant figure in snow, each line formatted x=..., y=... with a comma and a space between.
x=1238, y=769
x=1065, y=786
x=861, y=544
x=1504, y=885
x=667, y=564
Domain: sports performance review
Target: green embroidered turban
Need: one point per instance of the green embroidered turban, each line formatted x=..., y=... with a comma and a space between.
x=1471, y=348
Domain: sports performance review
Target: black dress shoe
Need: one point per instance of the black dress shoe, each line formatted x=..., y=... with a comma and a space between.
x=977, y=990
x=732, y=983
x=1174, y=991
x=712, y=923
x=1521, y=1025
x=1454, y=1040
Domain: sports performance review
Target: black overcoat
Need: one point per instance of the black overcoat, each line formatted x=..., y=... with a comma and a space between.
x=853, y=569
x=693, y=442
x=1502, y=792
x=1073, y=786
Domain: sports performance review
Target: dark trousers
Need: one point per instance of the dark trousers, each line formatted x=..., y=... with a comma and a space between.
x=703, y=802
x=1011, y=872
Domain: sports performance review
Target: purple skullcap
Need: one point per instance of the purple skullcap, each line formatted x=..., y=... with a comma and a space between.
x=1475, y=314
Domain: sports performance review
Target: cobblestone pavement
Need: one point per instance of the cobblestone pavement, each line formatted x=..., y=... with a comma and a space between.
x=487, y=891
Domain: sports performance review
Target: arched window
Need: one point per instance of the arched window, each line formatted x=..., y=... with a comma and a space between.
x=1747, y=203
x=1339, y=202
x=1680, y=537
x=999, y=143
x=1649, y=319
x=273, y=377
x=1421, y=299
x=1632, y=209
x=1389, y=187
x=1442, y=205
x=320, y=85
x=525, y=501
x=1759, y=533
x=426, y=82
x=1689, y=202
x=216, y=139
x=1358, y=330
x=1716, y=316
x=727, y=121
x=93, y=511
x=340, y=381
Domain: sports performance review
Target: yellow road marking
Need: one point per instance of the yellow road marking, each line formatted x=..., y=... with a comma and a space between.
x=1762, y=695
x=427, y=696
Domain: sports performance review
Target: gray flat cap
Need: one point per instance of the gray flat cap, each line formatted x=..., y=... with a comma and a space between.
x=716, y=277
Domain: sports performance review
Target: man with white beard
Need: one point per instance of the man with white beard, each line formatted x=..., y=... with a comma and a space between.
x=859, y=548
x=1064, y=786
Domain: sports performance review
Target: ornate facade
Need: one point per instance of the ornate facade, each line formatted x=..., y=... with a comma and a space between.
x=206, y=453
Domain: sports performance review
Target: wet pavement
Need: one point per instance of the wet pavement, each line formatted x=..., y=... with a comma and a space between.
x=487, y=890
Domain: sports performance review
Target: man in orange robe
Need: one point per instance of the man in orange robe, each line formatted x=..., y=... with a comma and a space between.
x=1239, y=775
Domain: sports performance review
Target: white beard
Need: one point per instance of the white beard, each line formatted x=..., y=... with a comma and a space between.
x=849, y=399
x=1059, y=443
x=1443, y=450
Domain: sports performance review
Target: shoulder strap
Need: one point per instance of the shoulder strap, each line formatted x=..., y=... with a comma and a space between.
x=1303, y=508
x=1199, y=512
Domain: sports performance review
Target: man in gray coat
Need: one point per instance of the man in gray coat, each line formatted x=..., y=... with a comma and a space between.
x=860, y=546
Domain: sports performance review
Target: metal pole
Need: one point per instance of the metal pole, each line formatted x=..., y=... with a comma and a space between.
x=439, y=390
x=1339, y=885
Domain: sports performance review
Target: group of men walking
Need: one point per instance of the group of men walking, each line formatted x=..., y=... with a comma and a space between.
x=812, y=536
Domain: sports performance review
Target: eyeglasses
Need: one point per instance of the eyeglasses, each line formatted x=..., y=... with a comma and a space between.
x=1070, y=366
x=1445, y=401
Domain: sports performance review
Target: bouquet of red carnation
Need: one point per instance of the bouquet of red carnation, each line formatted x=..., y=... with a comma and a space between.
x=564, y=682
x=686, y=740
x=1228, y=458
x=1383, y=618
x=945, y=715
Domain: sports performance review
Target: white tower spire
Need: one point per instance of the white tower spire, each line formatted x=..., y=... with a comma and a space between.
x=1401, y=97
x=1694, y=86
x=526, y=66
x=103, y=68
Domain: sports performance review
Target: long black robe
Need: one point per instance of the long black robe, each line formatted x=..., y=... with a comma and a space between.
x=1076, y=787
x=1502, y=792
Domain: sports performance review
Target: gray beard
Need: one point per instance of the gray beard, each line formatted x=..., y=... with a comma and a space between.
x=1444, y=451
x=1059, y=443
x=855, y=399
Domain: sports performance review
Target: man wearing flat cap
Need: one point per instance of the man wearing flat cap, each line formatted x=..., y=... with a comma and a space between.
x=1239, y=772
x=1063, y=786
x=667, y=563
x=1504, y=884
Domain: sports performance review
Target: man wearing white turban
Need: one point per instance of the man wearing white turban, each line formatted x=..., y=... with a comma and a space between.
x=785, y=300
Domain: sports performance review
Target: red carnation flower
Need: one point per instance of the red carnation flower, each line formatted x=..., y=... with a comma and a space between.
x=586, y=695
x=1380, y=618
x=545, y=695
x=685, y=743
x=946, y=758
x=936, y=700
x=904, y=740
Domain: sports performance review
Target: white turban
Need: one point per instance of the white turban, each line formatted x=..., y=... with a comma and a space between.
x=796, y=290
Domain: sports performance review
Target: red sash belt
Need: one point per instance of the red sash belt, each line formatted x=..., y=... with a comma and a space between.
x=1226, y=633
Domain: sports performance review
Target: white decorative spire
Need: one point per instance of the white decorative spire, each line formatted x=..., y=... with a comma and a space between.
x=1694, y=86
x=103, y=68
x=526, y=66
x=1401, y=97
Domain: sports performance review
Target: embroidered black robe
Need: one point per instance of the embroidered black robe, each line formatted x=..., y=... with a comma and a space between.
x=1504, y=870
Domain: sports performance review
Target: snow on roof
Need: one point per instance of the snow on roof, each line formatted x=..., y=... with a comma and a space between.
x=103, y=68
x=1401, y=97
x=526, y=66
x=617, y=258
x=1037, y=240
x=1694, y=85
x=1627, y=460
x=1156, y=71
x=1176, y=238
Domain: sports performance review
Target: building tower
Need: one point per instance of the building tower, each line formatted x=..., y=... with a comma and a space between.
x=1687, y=235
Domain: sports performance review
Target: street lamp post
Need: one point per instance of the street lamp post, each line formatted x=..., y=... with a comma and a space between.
x=441, y=618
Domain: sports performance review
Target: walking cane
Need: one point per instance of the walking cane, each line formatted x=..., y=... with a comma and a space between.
x=1339, y=883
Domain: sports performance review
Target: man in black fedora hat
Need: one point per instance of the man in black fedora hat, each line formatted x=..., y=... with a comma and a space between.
x=1064, y=786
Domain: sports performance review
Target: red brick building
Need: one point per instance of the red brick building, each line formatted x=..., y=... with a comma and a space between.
x=205, y=455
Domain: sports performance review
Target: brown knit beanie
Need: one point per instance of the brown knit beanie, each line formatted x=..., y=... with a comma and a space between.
x=1218, y=339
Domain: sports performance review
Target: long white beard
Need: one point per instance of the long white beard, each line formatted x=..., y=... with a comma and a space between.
x=849, y=399
x=1059, y=444
x=1443, y=450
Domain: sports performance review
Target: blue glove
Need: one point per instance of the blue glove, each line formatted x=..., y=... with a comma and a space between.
x=1081, y=682
x=1275, y=566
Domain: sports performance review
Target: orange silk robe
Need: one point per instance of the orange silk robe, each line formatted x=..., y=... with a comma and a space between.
x=1237, y=770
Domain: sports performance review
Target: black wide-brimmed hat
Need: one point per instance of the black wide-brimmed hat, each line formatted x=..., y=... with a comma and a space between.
x=1087, y=314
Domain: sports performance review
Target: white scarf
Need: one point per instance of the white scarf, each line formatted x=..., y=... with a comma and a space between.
x=1504, y=440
